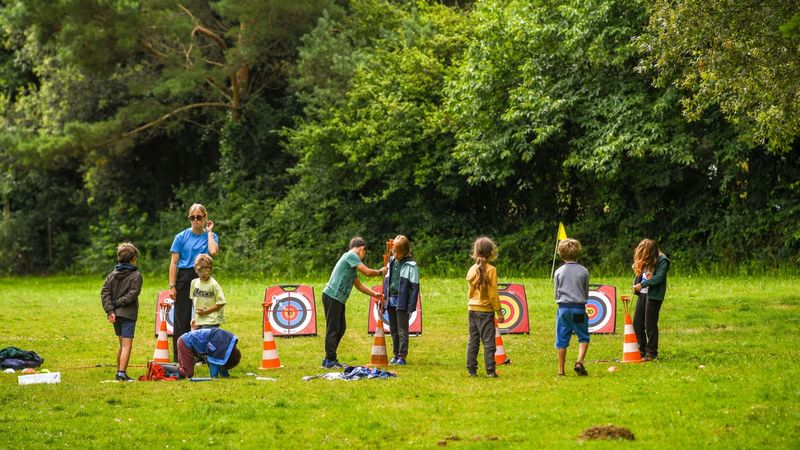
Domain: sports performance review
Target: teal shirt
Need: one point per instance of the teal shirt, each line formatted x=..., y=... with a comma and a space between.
x=394, y=279
x=657, y=284
x=342, y=278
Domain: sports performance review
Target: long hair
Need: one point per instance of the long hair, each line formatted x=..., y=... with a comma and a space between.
x=483, y=251
x=645, y=257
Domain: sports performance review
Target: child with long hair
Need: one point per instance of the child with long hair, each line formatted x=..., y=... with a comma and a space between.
x=650, y=266
x=401, y=289
x=484, y=305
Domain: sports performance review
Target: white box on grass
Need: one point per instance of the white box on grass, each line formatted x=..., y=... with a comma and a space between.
x=49, y=378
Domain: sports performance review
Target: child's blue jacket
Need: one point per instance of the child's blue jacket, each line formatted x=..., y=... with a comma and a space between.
x=408, y=290
x=216, y=343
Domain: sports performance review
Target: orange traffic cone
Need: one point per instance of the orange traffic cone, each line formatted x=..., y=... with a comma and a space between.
x=500, y=357
x=161, y=353
x=269, y=357
x=379, y=357
x=630, y=346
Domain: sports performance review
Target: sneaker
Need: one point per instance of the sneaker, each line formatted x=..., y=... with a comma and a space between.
x=124, y=377
x=491, y=375
x=393, y=360
x=335, y=364
x=580, y=369
x=400, y=361
x=473, y=374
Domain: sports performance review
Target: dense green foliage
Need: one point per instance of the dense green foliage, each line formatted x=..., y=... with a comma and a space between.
x=302, y=123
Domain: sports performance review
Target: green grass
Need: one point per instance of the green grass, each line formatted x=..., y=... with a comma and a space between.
x=743, y=330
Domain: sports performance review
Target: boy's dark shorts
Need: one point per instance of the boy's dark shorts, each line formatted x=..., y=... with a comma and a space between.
x=125, y=327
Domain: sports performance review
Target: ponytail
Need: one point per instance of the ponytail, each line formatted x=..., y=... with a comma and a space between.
x=483, y=251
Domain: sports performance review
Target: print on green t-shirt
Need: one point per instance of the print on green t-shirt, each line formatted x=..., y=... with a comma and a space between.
x=344, y=274
x=206, y=294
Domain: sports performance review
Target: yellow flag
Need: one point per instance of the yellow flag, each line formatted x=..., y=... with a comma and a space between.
x=562, y=233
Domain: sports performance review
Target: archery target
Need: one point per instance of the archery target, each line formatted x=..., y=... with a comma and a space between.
x=414, y=320
x=291, y=310
x=163, y=295
x=514, y=303
x=601, y=308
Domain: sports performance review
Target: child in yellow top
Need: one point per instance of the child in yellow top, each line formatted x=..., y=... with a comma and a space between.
x=484, y=304
x=207, y=297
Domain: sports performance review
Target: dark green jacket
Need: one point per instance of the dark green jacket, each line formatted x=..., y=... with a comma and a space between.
x=657, y=285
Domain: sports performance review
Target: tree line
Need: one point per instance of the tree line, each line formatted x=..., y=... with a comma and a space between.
x=302, y=123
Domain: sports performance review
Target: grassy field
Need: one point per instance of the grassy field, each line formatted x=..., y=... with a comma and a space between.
x=727, y=377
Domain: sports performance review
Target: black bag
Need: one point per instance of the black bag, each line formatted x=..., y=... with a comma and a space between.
x=15, y=358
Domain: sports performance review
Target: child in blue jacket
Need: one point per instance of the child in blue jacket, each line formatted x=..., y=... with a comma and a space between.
x=401, y=288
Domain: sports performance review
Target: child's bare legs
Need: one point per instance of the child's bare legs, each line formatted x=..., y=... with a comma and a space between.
x=124, y=353
x=562, y=356
x=581, y=352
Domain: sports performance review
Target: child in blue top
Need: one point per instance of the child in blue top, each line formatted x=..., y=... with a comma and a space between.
x=401, y=288
x=218, y=346
x=572, y=293
x=335, y=294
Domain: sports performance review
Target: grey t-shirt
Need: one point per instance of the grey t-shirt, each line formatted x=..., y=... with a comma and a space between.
x=572, y=284
x=344, y=274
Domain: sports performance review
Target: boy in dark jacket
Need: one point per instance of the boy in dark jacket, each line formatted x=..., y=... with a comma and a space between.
x=120, y=297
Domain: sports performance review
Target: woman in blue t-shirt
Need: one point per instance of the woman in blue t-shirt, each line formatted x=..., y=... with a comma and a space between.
x=199, y=238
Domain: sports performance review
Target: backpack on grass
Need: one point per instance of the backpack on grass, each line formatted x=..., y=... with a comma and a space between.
x=160, y=372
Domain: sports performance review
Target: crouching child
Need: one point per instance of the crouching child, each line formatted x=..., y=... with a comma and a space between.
x=217, y=345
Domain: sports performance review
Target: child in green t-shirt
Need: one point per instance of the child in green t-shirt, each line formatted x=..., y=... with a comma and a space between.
x=336, y=292
x=207, y=297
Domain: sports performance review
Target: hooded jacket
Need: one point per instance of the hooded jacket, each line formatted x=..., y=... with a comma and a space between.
x=408, y=288
x=120, y=293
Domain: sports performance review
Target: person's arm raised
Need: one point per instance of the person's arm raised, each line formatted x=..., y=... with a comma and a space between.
x=371, y=272
x=213, y=247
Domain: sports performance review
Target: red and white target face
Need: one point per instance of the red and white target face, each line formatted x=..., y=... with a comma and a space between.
x=290, y=313
x=414, y=319
x=411, y=319
x=600, y=308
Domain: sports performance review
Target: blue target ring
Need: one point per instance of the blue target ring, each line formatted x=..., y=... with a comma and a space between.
x=598, y=309
x=290, y=313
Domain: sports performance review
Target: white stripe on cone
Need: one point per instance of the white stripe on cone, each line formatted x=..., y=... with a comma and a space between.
x=630, y=347
x=270, y=354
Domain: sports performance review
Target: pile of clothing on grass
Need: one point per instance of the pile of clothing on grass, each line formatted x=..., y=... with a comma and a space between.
x=354, y=373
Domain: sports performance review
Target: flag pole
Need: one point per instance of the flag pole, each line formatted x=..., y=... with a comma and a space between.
x=560, y=236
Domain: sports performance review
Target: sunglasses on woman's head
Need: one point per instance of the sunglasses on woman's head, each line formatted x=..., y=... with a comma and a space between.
x=195, y=218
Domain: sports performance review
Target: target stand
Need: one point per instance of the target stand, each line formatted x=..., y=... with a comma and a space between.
x=414, y=320
x=602, y=309
x=163, y=295
x=291, y=310
x=514, y=304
